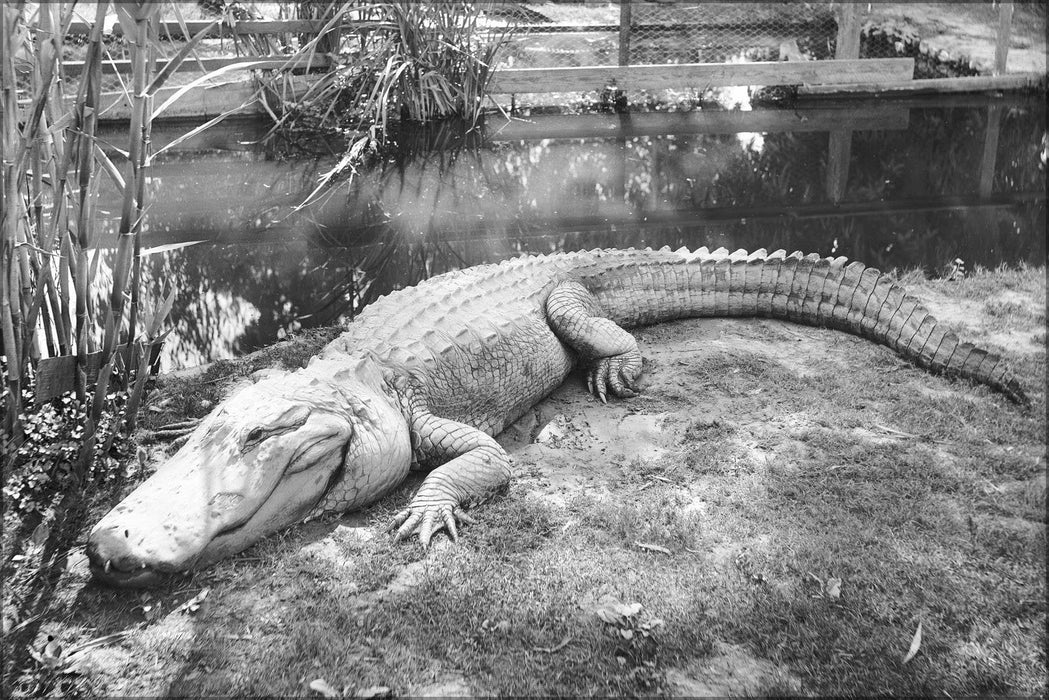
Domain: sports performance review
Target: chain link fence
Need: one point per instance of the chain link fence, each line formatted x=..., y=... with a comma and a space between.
x=641, y=32
x=727, y=32
x=565, y=34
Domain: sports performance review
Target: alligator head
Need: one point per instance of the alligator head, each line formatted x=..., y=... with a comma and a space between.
x=323, y=438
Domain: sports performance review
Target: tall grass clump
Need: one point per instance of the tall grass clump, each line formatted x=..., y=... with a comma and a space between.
x=406, y=61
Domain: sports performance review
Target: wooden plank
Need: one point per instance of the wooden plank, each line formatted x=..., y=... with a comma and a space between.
x=974, y=100
x=266, y=26
x=848, y=39
x=839, y=152
x=202, y=101
x=624, y=32
x=773, y=26
x=1001, y=50
x=990, y=150
x=56, y=375
x=579, y=126
x=700, y=75
x=976, y=83
x=74, y=68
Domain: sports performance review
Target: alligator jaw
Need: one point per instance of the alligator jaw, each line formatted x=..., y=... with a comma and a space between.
x=143, y=578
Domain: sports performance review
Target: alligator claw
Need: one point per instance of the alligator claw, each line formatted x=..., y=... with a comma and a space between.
x=404, y=522
x=617, y=374
x=449, y=525
x=428, y=521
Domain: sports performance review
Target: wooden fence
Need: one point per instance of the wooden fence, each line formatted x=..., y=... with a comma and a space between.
x=845, y=74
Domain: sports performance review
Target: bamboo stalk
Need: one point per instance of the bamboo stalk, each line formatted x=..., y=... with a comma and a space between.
x=9, y=17
x=140, y=199
x=59, y=146
x=136, y=17
x=37, y=282
x=86, y=121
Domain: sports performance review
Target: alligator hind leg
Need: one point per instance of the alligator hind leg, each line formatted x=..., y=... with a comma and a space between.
x=475, y=467
x=610, y=353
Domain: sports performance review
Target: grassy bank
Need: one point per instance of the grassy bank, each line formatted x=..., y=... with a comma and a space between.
x=785, y=505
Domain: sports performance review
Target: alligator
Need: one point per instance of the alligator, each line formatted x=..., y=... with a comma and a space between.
x=425, y=377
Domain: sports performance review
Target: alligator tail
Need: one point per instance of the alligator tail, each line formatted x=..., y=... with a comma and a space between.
x=819, y=291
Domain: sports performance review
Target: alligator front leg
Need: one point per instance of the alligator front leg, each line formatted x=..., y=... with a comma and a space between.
x=610, y=353
x=475, y=467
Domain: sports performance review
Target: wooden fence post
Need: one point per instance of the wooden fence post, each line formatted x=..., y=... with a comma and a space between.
x=839, y=153
x=624, y=32
x=990, y=151
x=848, y=41
x=1005, y=23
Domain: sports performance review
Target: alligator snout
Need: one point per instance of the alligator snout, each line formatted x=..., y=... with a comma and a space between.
x=126, y=549
x=115, y=562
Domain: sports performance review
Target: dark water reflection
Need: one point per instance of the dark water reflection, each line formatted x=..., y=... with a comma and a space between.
x=894, y=184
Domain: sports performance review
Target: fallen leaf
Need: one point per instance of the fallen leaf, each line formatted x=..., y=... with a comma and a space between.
x=40, y=534
x=321, y=686
x=833, y=589
x=151, y=611
x=550, y=650
x=615, y=612
x=193, y=604
x=652, y=624
x=627, y=633
x=652, y=547
x=50, y=655
x=915, y=643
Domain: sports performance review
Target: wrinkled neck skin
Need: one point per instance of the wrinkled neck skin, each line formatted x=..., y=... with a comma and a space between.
x=328, y=437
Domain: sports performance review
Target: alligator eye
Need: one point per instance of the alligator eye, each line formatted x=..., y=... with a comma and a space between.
x=255, y=437
x=288, y=422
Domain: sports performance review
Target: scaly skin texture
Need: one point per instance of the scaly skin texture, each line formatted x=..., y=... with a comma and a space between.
x=426, y=376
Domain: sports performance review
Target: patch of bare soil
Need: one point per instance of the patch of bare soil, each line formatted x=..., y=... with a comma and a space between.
x=731, y=672
x=557, y=443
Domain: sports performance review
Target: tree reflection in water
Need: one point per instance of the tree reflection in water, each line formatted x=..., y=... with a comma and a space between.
x=928, y=188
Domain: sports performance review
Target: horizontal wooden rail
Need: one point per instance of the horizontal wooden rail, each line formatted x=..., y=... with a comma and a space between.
x=201, y=102
x=700, y=75
x=173, y=30
x=768, y=25
x=316, y=62
x=931, y=86
x=576, y=126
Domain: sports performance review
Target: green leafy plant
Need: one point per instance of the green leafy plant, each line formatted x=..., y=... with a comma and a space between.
x=45, y=462
x=412, y=61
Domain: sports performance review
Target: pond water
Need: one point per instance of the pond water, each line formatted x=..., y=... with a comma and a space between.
x=893, y=184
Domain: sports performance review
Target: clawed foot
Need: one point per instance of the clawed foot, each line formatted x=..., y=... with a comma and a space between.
x=618, y=374
x=427, y=520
